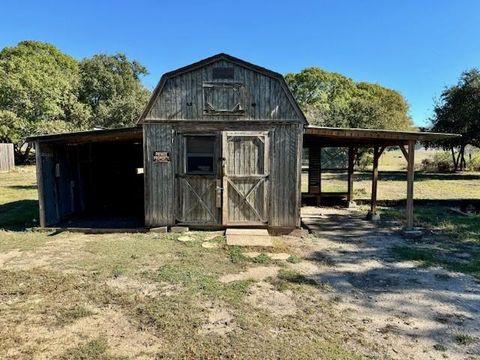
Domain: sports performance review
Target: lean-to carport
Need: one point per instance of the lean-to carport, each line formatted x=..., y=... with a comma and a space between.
x=316, y=138
x=90, y=178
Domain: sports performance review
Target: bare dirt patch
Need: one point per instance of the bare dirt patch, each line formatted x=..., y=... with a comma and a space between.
x=6, y=257
x=143, y=287
x=263, y=296
x=220, y=321
x=123, y=337
x=257, y=273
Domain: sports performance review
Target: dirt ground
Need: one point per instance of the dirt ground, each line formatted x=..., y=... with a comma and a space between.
x=341, y=295
x=417, y=312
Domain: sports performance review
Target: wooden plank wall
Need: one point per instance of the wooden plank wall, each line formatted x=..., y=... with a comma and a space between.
x=7, y=158
x=285, y=171
x=47, y=192
x=159, y=177
x=182, y=96
x=314, y=172
x=286, y=145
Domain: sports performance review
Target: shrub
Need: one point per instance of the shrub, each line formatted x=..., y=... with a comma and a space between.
x=474, y=162
x=441, y=162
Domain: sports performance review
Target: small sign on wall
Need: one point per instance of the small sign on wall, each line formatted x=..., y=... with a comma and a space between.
x=161, y=156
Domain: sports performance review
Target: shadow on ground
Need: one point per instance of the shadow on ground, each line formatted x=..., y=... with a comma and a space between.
x=359, y=260
x=18, y=215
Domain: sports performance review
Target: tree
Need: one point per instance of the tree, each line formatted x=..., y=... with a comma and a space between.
x=38, y=85
x=331, y=99
x=111, y=87
x=458, y=111
x=43, y=90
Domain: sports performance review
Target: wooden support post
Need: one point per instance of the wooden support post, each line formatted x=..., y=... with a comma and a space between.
x=39, y=168
x=373, y=203
x=410, y=181
x=351, y=154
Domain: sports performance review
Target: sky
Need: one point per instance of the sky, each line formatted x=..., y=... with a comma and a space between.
x=415, y=47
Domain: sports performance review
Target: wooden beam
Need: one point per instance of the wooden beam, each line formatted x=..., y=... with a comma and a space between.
x=404, y=151
x=351, y=158
x=373, y=202
x=40, y=187
x=410, y=181
x=380, y=152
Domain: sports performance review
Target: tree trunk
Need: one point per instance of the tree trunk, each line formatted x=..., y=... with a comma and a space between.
x=455, y=163
x=463, y=163
x=21, y=157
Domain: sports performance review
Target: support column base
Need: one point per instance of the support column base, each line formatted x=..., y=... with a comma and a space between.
x=371, y=216
x=351, y=204
x=412, y=233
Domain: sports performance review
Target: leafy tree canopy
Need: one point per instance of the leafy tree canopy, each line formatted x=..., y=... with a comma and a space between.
x=43, y=90
x=458, y=111
x=110, y=86
x=331, y=99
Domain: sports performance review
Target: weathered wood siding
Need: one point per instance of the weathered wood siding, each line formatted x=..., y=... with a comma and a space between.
x=159, y=176
x=263, y=97
x=7, y=158
x=46, y=185
x=247, y=165
x=286, y=159
x=195, y=194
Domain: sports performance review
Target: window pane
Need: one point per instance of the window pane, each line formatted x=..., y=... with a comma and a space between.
x=200, y=154
x=200, y=164
x=200, y=144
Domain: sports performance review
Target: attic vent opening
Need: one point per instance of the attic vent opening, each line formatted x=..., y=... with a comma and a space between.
x=223, y=73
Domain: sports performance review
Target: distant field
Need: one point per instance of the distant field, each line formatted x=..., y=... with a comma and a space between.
x=392, y=181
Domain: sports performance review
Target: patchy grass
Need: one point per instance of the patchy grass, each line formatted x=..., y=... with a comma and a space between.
x=72, y=314
x=293, y=259
x=262, y=259
x=464, y=339
x=459, y=252
x=96, y=349
x=441, y=218
x=62, y=305
x=60, y=293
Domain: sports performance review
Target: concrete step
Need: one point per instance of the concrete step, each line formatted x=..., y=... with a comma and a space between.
x=248, y=237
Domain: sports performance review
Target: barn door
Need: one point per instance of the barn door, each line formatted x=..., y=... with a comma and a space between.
x=245, y=178
x=198, y=190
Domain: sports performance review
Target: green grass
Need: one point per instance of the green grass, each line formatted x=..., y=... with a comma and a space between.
x=462, y=236
x=72, y=314
x=96, y=349
x=18, y=198
x=441, y=218
x=464, y=339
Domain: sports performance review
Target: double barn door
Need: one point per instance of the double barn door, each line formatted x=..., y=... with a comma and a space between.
x=223, y=178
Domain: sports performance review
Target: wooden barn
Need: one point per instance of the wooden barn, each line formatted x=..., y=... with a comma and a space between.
x=218, y=145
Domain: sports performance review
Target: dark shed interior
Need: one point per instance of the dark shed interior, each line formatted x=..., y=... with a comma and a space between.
x=92, y=179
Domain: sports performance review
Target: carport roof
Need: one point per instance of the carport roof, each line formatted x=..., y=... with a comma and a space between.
x=127, y=133
x=370, y=136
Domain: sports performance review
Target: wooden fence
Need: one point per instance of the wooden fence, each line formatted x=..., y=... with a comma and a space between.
x=7, y=161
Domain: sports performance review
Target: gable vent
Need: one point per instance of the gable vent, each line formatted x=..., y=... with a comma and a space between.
x=223, y=73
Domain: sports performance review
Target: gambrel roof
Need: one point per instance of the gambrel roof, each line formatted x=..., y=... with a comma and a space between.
x=213, y=59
